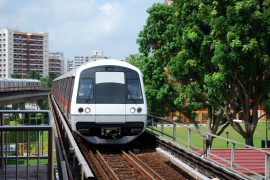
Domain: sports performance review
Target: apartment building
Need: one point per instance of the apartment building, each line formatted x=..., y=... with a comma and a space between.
x=56, y=62
x=69, y=65
x=79, y=60
x=23, y=51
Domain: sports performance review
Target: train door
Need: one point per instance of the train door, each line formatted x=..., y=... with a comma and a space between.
x=110, y=96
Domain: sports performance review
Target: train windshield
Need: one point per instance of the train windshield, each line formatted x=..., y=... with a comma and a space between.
x=134, y=89
x=110, y=88
x=85, y=91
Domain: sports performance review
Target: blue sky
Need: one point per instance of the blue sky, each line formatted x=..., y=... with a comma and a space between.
x=77, y=27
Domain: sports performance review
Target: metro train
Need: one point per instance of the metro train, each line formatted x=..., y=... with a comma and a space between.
x=8, y=84
x=103, y=101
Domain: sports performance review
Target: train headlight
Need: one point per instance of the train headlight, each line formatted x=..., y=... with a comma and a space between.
x=132, y=110
x=139, y=110
x=80, y=110
x=87, y=110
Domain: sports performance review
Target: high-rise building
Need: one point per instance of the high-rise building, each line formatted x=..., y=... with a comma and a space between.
x=70, y=65
x=21, y=52
x=56, y=62
x=95, y=55
x=78, y=61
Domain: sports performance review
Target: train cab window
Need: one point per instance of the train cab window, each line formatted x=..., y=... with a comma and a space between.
x=134, y=91
x=110, y=88
x=85, y=91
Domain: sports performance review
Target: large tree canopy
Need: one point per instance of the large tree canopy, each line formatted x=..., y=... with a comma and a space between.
x=211, y=54
x=241, y=33
x=156, y=41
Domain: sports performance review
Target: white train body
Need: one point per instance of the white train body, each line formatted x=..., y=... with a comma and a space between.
x=103, y=101
x=9, y=84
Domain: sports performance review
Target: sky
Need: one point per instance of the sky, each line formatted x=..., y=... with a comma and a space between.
x=78, y=27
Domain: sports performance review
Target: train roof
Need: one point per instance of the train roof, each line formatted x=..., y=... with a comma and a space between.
x=96, y=63
x=19, y=80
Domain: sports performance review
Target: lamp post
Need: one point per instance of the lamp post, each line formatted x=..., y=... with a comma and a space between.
x=227, y=134
x=266, y=110
x=266, y=133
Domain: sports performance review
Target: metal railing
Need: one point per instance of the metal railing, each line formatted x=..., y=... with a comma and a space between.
x=26, y=144
x=71, y=162
x=169, y=130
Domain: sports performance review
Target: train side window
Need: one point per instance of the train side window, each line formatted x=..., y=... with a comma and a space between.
x=71, y=87
x=134, y=90
x=85, y=91
x=65, y=88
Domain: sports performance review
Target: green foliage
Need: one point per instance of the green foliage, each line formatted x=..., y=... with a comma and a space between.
x=212, y=54
x=32, y=74
x=46, y=81
x=157, y=43
x=16, y=76
x=137, y=60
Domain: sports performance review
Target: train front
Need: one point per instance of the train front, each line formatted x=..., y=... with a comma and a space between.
x=110, y=103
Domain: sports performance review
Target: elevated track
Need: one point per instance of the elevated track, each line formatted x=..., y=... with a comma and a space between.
x=145, y=158
x=16, y=97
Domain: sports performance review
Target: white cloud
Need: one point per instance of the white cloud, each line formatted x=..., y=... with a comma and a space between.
x=110, y=17
x=88, y=28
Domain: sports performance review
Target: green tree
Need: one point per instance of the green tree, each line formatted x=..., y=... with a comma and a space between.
x=16, y=76
x=137, y=60
x=46, y=82
x=241, y=33
x=212, y=54
x=156, y=43
x=32, y=74
x=200, y=83
x=169, y=83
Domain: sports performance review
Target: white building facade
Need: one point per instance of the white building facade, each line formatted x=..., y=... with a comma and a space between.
x=79, y=60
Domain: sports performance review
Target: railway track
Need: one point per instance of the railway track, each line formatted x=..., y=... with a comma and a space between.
x=137, y=160
x=124, y=164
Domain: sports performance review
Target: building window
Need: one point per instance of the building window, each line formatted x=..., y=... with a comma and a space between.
x=204, y=116
x=197, y=117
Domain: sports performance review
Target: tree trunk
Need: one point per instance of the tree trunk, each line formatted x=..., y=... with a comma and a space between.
x=249, y=139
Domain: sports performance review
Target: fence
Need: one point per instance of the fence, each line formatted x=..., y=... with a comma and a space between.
x=26, y=144
x=196, y=141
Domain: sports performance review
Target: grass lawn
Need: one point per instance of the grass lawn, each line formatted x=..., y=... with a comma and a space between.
x=33, y=139
x=24, y=161
x=197, y=140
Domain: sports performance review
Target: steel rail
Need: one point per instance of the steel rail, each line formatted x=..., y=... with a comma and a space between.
x=142, y=167
x=98, y=165
x=106, y=166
